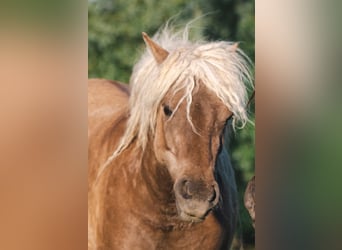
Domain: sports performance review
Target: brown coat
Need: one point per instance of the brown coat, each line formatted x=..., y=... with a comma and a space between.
x=132, y=204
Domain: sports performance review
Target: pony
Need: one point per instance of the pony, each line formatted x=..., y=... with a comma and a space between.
x=159, y=176
x=250, y=200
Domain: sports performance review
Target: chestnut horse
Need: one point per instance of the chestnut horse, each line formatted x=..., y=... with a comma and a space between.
x=158, y=175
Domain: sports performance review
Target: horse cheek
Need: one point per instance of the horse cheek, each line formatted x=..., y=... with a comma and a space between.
x=159, y=142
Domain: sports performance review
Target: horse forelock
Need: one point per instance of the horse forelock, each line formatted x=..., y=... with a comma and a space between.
x=220, y=66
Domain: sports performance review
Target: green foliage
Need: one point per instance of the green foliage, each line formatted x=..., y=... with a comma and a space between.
x=114, y=40
x=114, y=32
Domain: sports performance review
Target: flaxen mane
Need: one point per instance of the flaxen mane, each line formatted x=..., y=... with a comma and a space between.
x=221, y=66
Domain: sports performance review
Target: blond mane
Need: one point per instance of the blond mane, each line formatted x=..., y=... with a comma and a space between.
x=221, y=66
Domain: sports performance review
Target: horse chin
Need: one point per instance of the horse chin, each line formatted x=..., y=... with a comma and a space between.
x=192, y=211
x=190, y=218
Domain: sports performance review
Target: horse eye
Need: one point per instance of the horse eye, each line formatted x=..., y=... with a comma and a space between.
x=167, y=110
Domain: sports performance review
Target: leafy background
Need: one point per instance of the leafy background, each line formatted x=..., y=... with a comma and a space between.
x=115, y=43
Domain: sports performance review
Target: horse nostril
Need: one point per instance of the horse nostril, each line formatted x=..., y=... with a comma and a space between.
x=186, y=189
x=214, y=198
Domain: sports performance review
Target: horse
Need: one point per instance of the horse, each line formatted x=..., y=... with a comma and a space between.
x=250, y=200
x=159, y=176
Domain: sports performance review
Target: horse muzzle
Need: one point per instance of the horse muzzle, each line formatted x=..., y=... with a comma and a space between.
x=195, y=199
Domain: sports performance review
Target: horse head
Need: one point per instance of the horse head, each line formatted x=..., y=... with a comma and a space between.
x=188, y=148
x=187, y=140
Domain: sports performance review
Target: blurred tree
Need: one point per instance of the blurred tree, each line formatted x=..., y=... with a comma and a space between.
x=114, y=31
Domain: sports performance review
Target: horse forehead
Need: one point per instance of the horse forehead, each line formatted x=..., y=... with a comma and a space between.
x=206, y=102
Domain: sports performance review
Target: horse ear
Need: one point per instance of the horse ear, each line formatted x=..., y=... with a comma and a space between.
x=235, y=46
x=158, y=52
